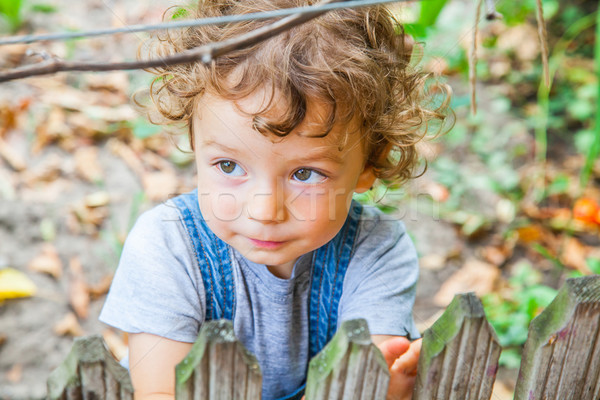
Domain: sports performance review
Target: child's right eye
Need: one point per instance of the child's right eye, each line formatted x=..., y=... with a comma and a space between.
x=230, y=168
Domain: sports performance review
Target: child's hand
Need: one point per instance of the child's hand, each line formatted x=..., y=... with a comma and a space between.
x=401, y=357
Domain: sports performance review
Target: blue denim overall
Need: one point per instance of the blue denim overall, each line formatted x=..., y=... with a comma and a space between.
x=328, y=270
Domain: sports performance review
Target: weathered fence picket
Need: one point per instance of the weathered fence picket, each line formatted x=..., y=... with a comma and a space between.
x=350, y=367
x=218, y=367
x=90, y=372
x=459, y=359
x=561, y=359
x=459, y=355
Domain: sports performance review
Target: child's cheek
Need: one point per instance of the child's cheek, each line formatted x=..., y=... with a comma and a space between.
x=219, y=206
x=320, y=210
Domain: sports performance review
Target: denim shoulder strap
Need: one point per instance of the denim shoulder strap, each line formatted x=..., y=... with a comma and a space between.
x=330, y=263
x=213, y=259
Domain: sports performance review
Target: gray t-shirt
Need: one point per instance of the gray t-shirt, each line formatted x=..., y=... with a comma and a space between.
x=158, y=289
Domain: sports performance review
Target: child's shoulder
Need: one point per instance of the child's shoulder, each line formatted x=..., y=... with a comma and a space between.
x=157, y=227
x=382, y=238
x=375, y=225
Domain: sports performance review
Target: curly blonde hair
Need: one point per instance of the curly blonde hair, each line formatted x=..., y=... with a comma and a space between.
x=355, y=61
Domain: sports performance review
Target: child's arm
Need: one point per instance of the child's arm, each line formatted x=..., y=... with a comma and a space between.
x=401, y=357
x=152, y=361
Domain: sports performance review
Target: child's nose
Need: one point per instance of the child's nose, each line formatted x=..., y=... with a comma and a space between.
x=266, y=204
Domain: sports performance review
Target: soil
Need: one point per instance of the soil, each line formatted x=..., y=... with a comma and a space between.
x=29, y=346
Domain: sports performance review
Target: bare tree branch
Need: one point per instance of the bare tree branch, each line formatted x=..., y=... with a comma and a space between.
x=473, y=59
x=204, y=54
x=222, y=20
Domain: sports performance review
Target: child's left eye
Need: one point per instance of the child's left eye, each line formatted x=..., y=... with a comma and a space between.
x=306, y=175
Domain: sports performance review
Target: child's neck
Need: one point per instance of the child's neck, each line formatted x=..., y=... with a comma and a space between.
x=283, y=271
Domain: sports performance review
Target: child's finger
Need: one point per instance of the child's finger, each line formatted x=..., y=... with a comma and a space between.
x=393, y=348
x=407, y=362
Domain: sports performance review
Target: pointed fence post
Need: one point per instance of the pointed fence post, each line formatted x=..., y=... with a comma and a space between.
x=561, y=359
x=459, y=355
x=350, y=367
x=89, y=372
x=218, y=367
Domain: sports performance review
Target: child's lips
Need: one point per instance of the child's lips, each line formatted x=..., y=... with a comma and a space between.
x=266, y=244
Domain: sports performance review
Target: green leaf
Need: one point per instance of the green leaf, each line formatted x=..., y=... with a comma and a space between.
x=580, y=109
x=430, y=10
x=180, y=13
x=44, y=8
x=559, y=185
x=142, y=129
x=594, y=265
x=11, y=10
x=510, y=358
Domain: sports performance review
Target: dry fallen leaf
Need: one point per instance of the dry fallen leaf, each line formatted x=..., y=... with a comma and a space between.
x=68, y=325
x=101, y=288
x=13, y=158
x=47, y=262
x=132, y=160
x=474, y=276
x=15, y=373
x=78, y=289
x=574, y=255
x=87, y=165
x=12, y=55
x=115, y=344
x=530, y=233
x=47, y=171
x=97, y=199
x=494, y=255
x=159, y=186
x=117, y=81
x=14, y=284
x=522, y=40
x=433, y=262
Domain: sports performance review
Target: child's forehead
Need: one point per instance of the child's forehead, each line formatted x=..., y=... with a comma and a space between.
x=230, y=114
x=220, y=125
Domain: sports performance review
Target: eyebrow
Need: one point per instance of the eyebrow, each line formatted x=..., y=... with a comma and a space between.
x=210, y=142
x=316, y=156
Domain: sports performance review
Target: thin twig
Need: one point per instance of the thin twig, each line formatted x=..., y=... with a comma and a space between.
x=225, y=19
x=543, y=41
x=473, y=59
x=491, y=13
x=204, y=54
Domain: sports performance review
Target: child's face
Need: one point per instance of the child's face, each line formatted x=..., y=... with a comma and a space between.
x=274, y=199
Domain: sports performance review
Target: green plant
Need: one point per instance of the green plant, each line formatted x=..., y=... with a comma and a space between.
x=14, y=11
x=594, y=149
x=510, y=311
x=428, y=14
x=11, y=11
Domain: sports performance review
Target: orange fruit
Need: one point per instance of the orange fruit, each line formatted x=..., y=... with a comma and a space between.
x=586, y=209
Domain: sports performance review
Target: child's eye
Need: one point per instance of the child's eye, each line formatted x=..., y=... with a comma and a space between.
x=306, y=175
x=230, y=168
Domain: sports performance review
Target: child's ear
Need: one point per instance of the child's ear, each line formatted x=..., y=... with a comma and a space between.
x=366, y=179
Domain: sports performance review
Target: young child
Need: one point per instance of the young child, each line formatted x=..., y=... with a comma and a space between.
x=284, y=133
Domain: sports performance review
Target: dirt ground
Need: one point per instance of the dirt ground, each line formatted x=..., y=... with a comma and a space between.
x=51, y=200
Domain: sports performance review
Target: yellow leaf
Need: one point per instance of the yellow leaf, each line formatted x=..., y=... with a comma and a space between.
x=15, y=284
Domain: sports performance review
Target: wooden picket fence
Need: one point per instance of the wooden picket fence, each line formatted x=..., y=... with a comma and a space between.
x=459, y=359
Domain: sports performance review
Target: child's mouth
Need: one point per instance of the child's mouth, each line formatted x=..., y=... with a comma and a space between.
x=266, y=244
